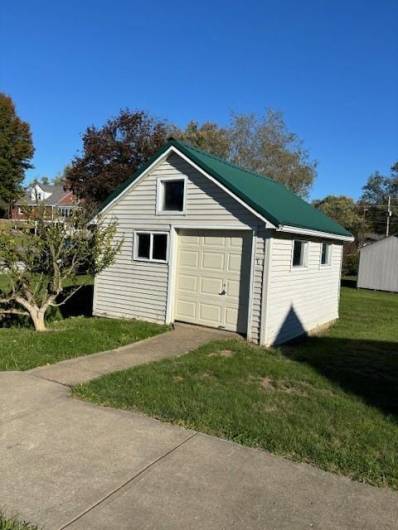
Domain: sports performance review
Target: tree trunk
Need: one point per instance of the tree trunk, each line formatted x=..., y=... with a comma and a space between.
x=36, y=313
x=37, y=316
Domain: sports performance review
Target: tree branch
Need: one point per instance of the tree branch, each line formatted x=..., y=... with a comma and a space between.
x=6, y=300
x=13, y=312
x=67, y=298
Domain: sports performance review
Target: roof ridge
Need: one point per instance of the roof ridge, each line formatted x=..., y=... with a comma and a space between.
x=266, y=196
x=250, y=172
x=228, y=163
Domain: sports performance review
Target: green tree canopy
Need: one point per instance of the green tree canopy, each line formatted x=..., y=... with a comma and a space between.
x=259, y=143
x=345, y=211
x=16, y=150
x=208, y=137
x=374, y=200
x=379, y=187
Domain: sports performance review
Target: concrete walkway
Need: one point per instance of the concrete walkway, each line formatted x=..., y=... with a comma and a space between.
x=182, y=339
x=65, y=463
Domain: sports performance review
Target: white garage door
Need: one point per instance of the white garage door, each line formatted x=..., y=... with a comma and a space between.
x=212, y=278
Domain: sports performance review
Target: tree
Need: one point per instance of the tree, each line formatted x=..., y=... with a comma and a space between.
x=208, y=137
x=39, y=263
x=259, y=143
x=376, y=189
x=42, y=180
x=60, y=178
x=16, y=150
x=264, y=144
x=113, y=153
x=345, y=211
x=376, y=194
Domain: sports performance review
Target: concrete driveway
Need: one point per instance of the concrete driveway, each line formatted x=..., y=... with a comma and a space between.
x=65, y=463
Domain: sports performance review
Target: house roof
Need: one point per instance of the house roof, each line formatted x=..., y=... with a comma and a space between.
x=57, y=193
x=267, y=197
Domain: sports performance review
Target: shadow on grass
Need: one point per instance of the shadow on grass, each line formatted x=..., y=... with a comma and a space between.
x=80, y=304
x=366, y=368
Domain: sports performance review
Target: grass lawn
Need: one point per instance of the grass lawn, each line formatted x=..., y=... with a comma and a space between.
x=331, y=401
x=15, y=524
x=70, y=335
x=24, y=348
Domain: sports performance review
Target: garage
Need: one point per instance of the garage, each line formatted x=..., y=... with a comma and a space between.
x=213, y=278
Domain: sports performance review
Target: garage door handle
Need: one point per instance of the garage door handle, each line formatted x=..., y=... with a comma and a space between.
x=223, y=290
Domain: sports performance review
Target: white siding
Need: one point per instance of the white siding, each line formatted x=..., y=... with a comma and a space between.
x=298, y=300
x=378, y=265
x=257, y=295
x=133, y=289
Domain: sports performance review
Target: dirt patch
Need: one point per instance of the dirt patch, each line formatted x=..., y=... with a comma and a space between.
x=222, y=353
x=178, y=379
x=270, y=385
x=206, y=375
x=267, y=383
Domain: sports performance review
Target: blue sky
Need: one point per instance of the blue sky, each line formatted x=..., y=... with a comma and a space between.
x=330, y=66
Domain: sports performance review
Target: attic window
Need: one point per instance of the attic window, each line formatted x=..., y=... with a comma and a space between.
x=171, y=195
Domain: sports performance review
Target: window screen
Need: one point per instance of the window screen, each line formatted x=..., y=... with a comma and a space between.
x=159, y=249
x=173, y=195
x=143, y=246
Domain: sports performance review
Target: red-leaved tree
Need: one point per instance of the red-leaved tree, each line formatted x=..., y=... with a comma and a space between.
x=112, y=153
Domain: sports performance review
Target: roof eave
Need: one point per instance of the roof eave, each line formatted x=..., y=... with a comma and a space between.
x=314, y=233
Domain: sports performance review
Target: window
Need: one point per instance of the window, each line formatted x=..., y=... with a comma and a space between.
x=159, y=250
x=151, y=246
x=171, y=195
x=299, y=253
x=64, y=212
x=325, y=253
x=144, y=246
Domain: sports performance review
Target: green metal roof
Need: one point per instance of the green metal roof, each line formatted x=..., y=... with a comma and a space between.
x=269, y=198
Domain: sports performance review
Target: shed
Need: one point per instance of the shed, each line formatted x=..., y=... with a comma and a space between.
x=210, y=243
x=378, y=265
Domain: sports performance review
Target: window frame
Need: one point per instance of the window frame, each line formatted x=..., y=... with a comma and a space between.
x=151, y=233
x=160, y=195
x=304, y=255
x=328, y=254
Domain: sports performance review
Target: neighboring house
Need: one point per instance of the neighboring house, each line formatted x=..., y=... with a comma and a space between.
x=58, y=203
x=209, y=243
x=378, y=265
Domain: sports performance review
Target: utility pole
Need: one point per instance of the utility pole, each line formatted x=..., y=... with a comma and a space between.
x=389, y=214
